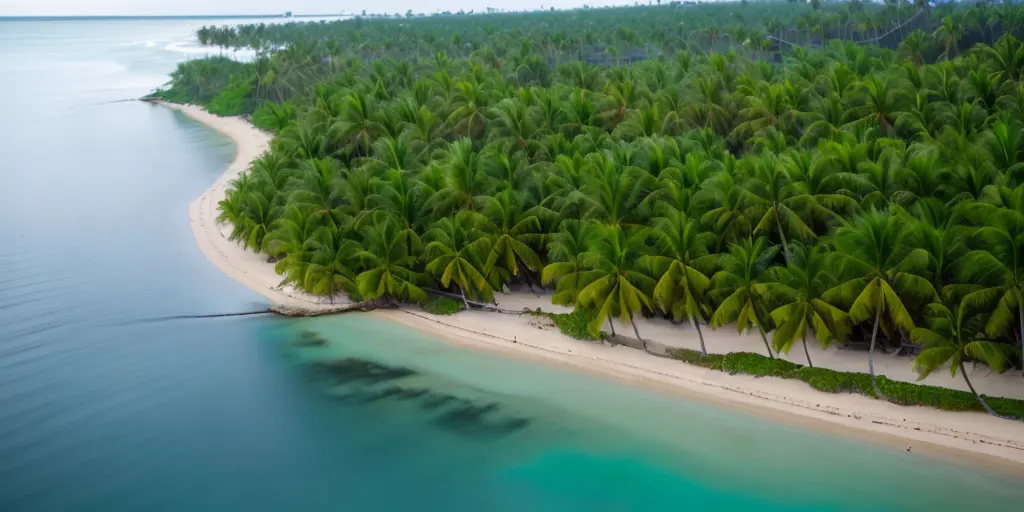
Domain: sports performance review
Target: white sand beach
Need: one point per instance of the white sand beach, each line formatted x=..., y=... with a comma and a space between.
x=973, y=435
x=232, y=258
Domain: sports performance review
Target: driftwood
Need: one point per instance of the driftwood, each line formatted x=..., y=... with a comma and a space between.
x=290, y=311
x=473, y=304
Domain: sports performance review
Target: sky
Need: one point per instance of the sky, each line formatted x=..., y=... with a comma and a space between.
x=219, y=7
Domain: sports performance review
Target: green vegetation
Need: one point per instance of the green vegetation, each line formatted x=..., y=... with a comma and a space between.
x=680, y=161
x=575, y=324
x=831, y=381
x=443, y=306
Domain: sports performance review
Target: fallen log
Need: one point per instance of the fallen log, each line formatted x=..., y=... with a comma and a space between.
x=292, y=311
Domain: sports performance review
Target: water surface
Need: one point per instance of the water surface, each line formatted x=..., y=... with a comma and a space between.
x=99, y=411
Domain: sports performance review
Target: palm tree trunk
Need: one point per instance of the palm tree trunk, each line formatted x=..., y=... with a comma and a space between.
x=980, y=399
x=637, y=333
x=700, y=335
x=782, y=235
x=806, y=353
x=765, y=340
x=611, y=325
x=871, y=350
x=464, y=301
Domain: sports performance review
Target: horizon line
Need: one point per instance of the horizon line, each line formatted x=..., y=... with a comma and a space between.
x=166, y=16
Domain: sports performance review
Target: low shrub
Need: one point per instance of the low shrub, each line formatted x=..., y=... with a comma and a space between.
x=713, y=361
x=831, y=381
x=443, y=306
x=574, y=325
x=756, y=364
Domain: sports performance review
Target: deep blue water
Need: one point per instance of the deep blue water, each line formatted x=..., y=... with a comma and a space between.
x=99, y=411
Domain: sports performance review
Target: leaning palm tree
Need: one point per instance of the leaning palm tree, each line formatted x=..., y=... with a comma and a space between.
x=800, y=287
x=617, y=286
x=953, y=336
x=683, y=263
x=996, y=270
x=882, y=271
x=455, y=255
x=741, y=287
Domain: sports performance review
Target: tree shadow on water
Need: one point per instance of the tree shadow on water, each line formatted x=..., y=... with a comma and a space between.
x=356, y=381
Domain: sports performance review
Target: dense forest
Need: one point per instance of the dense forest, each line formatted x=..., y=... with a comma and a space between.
x=816, y=172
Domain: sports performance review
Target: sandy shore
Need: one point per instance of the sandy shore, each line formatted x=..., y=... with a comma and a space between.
x=240, y=264
x=973, y=435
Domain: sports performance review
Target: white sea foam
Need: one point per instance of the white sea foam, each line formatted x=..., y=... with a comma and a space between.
x=194, y=49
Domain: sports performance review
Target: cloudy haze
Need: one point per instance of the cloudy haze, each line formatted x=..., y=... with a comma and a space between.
x=214, y=7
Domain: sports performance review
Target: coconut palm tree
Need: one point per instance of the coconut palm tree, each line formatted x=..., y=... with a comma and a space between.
x=953, y=337
x=327, y=269
x=455, y=255
x=799, y=288
x=740, y=288
x=994, y=273
x=682, y=263
x=617, y=287
x=567, y=251
x=881, y=267
x=517, y=230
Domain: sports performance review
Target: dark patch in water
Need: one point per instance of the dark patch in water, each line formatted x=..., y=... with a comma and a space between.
x=309, y=339
x=357, y=371
x=352, y=381
x=476, y=420
x=435, y=400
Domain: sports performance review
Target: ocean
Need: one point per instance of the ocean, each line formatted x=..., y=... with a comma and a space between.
x=103, y=406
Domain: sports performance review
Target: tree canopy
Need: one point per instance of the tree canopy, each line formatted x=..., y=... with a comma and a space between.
x=835, y=169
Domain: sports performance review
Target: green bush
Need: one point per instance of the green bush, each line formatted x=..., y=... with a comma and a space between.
x=573, y=325
x=713, y=361
x=831, y=381
x=756, y=364
x=443, y=306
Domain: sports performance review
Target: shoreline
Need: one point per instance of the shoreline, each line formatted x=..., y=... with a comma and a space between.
x=242, y=265
x=963, y=436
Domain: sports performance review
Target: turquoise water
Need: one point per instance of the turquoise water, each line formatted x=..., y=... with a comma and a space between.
x=101, y=411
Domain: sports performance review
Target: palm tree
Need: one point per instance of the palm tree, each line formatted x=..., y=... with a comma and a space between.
x=953, y=336
x=998, y=268
x=517, y=231
x=329, y=265
x=567, y=251
x=800, y=287
x=881, y=269
x=683, y=263
x=389, y=258
x=740, y=288
x=455, y=255
x=617, y=286
x=774, y=200
x=466, y=182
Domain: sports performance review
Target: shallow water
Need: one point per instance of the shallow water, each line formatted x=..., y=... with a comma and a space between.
x=101, y=412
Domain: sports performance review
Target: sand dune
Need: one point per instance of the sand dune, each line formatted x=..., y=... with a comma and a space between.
x=966, y=434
